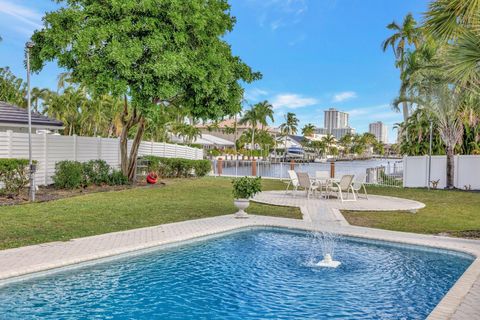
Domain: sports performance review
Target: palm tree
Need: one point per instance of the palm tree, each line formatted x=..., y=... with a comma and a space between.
x=289, y=127
x=319, y=147
x=404, y=36
x=308, y=130
x=346, y=143
x=445, y=106
x=264, y=111
x=455, y=23
x=329, y=141
x=37, y=95
x=251, y=117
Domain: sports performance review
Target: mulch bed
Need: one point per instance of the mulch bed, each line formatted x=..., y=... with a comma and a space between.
x=49, y=193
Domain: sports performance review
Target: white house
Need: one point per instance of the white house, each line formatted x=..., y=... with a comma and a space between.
x=13, y=118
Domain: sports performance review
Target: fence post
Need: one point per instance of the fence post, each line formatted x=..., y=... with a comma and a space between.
x=332, y=169
x=219, y=166
x=254, y=168
x=176, y=147
x=119, y=156
x=99, y=148
x=45, y=158
x=9, y=143
x=292, y=164
x=404, y=171
x=74, y=147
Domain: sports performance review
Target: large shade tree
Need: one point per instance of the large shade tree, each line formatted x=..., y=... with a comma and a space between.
x=154, y=54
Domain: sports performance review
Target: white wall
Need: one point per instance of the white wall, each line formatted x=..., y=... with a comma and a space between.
x=467, y=171
x=49, y=149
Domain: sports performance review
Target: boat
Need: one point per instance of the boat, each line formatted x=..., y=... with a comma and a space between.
x=295, y=152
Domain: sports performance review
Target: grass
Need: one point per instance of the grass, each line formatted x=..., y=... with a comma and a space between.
x=454, y=212
x=98, y=213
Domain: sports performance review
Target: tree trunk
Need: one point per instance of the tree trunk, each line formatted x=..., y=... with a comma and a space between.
x=132, y=163
x=128, y=163
x=450, y=168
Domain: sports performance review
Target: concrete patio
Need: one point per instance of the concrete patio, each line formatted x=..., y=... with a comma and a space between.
x=327, y=211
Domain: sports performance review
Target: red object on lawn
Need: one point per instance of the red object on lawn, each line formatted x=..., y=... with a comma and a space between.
x=152, y=178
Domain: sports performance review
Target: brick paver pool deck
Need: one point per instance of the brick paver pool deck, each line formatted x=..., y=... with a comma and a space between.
x=461, y=302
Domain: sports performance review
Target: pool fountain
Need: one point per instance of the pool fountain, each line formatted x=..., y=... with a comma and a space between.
x=326, y=241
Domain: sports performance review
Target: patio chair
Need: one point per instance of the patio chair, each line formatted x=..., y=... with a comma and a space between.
x=306, y=183
x=293, y=181
x=323, y=180
x=359, y=183
x=344, y=186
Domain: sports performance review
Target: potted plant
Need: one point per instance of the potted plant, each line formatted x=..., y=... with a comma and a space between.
x=244, y=189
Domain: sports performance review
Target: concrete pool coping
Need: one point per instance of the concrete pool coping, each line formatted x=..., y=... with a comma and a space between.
x=459, y=303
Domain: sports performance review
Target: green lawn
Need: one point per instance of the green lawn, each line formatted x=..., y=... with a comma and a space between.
x=122, y=210
x=453, y=212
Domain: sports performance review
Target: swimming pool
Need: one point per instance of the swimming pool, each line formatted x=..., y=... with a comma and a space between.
x=259, y=273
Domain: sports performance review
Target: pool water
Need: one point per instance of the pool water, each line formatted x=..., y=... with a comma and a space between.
x=254, y=274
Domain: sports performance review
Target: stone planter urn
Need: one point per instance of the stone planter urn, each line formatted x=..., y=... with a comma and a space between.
x=241, y=205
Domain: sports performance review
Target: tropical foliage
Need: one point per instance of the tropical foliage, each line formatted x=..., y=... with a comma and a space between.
x=257, y=115
x=161, y=55
x=439, y=64
x=12, y=89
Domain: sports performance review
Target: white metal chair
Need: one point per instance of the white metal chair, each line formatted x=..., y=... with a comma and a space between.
x=306, y=183
x=323, y=180
x=293, y=181
x=359, y=183
x=344, y=186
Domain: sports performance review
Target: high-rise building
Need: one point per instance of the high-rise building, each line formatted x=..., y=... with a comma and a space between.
x=338, y=133
x=336, y=124
x=335, y=119
x=379, y=130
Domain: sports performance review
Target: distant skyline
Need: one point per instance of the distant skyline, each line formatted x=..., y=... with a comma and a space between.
x=313, y=55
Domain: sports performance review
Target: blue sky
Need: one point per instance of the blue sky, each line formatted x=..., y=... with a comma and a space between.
x=313, y=54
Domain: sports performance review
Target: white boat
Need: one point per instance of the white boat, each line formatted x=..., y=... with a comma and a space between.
x=295, y=152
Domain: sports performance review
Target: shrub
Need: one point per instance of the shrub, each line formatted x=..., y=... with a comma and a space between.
x=74, y=174
x=13, y=175
x=202, y=167
x=177, y=167
x=117, y=178
x=95, y=172
x=246, y=188
x=68, y=175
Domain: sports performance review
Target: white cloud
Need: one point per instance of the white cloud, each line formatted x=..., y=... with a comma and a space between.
x=21, y=13
x=292, y=101
x=274, y=25
x=344, y=96
x=278, y=13
x=255, y=94
x=370, y=111
x=297, y=40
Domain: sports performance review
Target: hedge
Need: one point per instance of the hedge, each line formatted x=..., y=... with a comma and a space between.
x=13, y=175
x=74, y=174
x=177, y=167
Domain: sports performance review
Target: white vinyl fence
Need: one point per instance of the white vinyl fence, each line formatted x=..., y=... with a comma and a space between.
x=48, y=149
x=467, y=171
